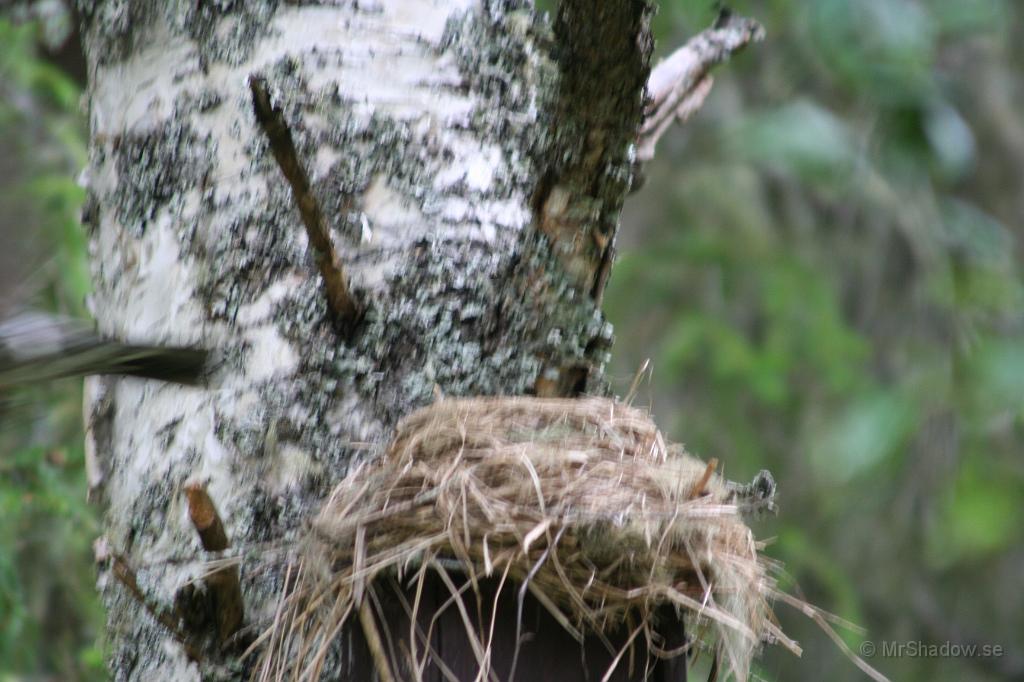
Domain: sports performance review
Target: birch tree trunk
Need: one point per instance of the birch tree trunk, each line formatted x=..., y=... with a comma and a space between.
x=469, y=160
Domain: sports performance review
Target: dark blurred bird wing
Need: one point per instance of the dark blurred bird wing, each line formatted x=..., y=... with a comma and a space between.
x=37, y=347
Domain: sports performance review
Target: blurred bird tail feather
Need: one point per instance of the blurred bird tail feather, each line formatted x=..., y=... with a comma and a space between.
x=36, y=347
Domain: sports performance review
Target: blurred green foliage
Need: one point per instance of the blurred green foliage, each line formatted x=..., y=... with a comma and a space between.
x=50, y=618
x=829, y=255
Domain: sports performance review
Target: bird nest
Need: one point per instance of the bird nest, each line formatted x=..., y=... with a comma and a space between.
x=582, y=501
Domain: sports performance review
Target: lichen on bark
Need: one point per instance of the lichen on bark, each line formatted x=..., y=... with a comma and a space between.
x=428, y=130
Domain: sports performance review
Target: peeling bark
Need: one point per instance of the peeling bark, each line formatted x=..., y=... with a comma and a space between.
x=469, y=163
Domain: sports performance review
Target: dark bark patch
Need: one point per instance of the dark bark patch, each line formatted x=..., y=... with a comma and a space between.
x=603, y=53
x=157, y=168
x=227, y=30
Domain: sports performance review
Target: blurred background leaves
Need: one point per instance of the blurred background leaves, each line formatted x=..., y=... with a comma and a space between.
x=829, y=254
x=50, y=617
x=829, y=258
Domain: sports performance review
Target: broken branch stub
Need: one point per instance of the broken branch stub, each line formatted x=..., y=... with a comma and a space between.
x=271, y=119
x=223, y=583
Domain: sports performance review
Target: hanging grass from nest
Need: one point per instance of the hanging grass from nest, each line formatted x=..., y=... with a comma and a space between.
x=581, y=500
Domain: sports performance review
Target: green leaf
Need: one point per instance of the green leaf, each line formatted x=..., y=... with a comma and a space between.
x=863, y=435
x=803, y=138
x=980, y=514
x=996, y=372
x=881, y=47
x=967, y=16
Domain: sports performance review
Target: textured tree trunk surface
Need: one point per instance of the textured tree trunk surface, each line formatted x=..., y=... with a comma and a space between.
x=470, y=161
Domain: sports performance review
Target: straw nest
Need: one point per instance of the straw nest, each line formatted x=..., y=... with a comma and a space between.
x=581, y=500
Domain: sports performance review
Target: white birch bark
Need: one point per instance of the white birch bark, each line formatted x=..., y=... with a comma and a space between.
x=472, y=196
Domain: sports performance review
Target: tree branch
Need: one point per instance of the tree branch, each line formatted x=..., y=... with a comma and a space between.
x=126, y=576
x=678, y=84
